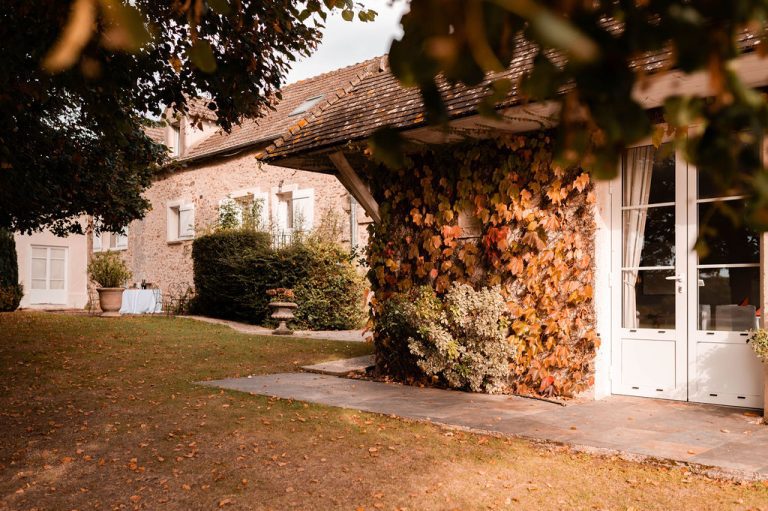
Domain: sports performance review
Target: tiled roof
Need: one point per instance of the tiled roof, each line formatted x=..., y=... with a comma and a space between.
x=331, y=86
x=156, y=133
x=198, y=109
x=379, y=100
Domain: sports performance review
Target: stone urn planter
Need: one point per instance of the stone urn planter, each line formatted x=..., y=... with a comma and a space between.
x=110, y=300
x=283, y=312
x=108, y=270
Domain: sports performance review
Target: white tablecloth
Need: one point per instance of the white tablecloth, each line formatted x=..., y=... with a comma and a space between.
x=141, y=301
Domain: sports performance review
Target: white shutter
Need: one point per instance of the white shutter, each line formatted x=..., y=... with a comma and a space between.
x=121, y=240
x=96, y=241
x=264, y=212
x=303, y=204
x=187, y=221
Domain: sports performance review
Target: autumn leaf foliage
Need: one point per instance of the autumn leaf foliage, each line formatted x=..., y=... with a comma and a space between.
x=493, y=213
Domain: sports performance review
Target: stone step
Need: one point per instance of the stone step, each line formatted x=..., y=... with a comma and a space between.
x=342, y=367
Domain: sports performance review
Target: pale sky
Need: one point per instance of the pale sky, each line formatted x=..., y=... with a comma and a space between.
x=349, y=42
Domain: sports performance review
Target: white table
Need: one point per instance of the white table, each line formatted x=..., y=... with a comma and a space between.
x=141, y=301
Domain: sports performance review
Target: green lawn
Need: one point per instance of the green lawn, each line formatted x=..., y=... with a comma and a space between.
x=103, y=414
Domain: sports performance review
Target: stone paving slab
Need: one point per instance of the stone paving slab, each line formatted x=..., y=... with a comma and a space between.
x=325, y=335
x=343, y=366
x=718, y=440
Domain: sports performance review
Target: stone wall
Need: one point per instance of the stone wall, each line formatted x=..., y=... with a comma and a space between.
x=152, y=257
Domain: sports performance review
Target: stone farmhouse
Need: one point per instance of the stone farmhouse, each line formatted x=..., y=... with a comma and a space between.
x=210, y=169
x=670, y=324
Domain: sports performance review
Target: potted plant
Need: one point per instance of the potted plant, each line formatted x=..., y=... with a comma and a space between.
x=280, y=299
x=108, y=270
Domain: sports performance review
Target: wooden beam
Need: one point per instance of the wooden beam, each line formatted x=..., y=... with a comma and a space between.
x=355, y=185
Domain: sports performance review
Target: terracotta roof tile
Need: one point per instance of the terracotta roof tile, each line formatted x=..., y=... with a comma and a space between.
x=331, y=86
x=379, y=100
x=156, y=133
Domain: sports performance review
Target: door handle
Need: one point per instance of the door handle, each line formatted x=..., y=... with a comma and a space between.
x=680, y=279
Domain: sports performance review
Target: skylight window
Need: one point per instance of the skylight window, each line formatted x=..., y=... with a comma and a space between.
x=306, y=105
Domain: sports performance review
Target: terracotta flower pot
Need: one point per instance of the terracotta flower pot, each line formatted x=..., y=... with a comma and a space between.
x=110, y=300
x=283, y=313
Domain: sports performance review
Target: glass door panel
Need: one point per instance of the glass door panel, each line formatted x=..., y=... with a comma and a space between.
x=725, y=299
x=650, y=350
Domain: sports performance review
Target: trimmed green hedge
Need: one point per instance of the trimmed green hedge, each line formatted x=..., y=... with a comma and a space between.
x=10, y=290
x=234, y=268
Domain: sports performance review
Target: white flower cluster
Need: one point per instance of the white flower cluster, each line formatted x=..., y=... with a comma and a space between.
x=759, y=340
x=464, y=340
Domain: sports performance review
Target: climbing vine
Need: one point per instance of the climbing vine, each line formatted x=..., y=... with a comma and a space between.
x=495, y=212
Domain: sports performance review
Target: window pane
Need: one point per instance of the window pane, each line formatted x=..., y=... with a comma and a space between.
x=57, y=284
x=38, y=269
x=38, y=284
x=186, y=228
x=649, y=237
x=40, y=253
x=727, y=244
x=57, y=253
x=710, y=188
x=57, y=269
x=712, y=184
x=648, y=175
x=648, y=299
x=299, y=220
x=729, y=298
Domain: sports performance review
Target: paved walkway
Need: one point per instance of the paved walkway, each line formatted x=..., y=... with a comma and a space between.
x=328, y=335
x=342, y=367
x=717, y=440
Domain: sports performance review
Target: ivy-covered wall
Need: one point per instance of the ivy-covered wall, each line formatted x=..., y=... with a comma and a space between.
x=534, y=237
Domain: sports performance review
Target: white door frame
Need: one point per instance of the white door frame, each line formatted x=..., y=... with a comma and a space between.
x=678, y=389
x=691, y=371
x=48, y=295
x=701, y=341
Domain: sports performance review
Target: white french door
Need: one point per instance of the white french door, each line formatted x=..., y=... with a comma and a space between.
x=681, y=330
x=650, y=352
x=48, y=275
x=724, y=299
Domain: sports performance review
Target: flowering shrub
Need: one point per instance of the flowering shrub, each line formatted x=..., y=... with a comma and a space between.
x=759, y=341
x=462, y=339
x=280, y=294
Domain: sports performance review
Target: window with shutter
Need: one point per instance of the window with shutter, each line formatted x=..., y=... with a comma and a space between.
x=302, y=204
x=97, y=241
x=187, y=221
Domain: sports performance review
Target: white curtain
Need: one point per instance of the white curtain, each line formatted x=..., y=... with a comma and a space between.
x=636, y=189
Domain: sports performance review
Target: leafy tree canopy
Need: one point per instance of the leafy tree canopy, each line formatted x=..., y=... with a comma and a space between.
x=586, y=58
x=80, y=76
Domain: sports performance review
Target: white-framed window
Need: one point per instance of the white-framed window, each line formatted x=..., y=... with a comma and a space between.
x=176, y=140
x=244, y=206
x=181, y=221
x=97, y=241
x=294, y=210
x=48, y=274
x=103, y=241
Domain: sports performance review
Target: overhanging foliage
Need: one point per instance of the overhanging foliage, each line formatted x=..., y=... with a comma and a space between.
x=78, y=77
x=592, y=58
